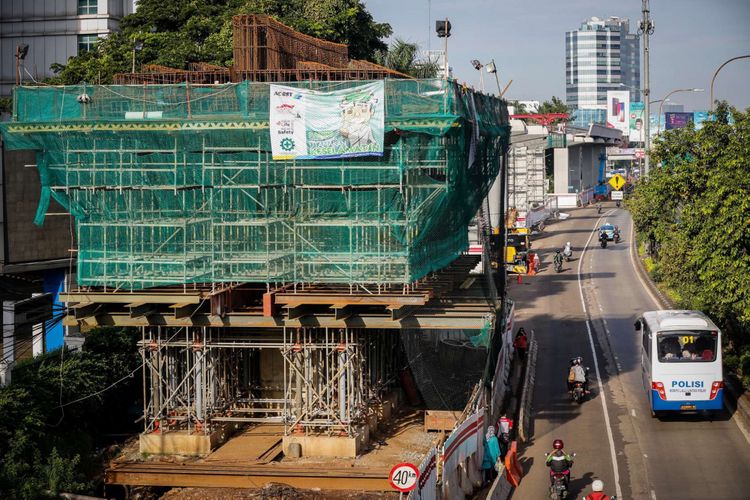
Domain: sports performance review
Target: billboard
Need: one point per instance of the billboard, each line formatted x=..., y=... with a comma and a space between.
x=618, y=110
x=636, y=122
x=698, y=118
x=313, y=124
x=677, y=120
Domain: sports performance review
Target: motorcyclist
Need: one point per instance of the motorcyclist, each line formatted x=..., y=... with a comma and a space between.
x=597, y=487
x=559, y=462
x=577, y=373
x=617, y=233
x=558, y=259
x=602, y=236
x=568, y=251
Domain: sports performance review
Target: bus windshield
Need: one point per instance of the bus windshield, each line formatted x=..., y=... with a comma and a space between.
x=687, y=346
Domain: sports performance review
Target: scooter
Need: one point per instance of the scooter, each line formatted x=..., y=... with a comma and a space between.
x=557, y=488
x=617, y=203
x=603, y=242
x=617, y=237
x=598, y=209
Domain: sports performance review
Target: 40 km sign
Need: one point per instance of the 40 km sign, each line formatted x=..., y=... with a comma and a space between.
x=404, y=477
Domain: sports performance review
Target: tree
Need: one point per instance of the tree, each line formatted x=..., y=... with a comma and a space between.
x=404, y=57
x=553, y=106
x=695, y=206
x=175, y=33
x=519, y=108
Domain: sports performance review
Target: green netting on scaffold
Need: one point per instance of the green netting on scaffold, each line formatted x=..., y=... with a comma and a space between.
x=175, y=184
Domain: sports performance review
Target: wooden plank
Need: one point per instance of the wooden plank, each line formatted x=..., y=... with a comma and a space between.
x=440, y=420
x=81, y=311
x=183, y=310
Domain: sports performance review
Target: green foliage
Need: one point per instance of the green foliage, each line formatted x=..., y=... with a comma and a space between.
x=48, y=448
x=6, y=105
x=519, y=107
x=175, y=33
x=555, y=105
x=404, y=57
x=695, y=206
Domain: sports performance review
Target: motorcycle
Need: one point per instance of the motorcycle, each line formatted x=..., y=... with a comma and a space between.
x=617, y=236
x=568, y=253
x=578, y=393
x=558, y=265
x=603, y=242
x=558, y=489
x=598, y=209
x=617, y=203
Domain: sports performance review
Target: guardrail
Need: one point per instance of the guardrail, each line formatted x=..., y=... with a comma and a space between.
x=527, y=393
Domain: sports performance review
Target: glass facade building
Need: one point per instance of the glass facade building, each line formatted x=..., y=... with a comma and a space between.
x=601, y=55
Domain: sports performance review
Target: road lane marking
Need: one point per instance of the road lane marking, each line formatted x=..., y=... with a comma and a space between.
x=602, y=397
x=632, y=412
x=653, y=495
x=640, y=278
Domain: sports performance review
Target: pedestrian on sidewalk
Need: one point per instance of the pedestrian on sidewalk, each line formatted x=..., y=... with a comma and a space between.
x=521, y=343
x=537, y=262
x=491, y=455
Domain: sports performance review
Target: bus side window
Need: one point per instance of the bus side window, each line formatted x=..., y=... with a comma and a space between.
x=646, y=339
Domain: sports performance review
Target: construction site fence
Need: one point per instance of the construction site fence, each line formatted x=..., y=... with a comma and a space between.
x=175, y=184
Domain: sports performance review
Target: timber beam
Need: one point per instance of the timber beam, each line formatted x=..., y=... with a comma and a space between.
x=250, y=476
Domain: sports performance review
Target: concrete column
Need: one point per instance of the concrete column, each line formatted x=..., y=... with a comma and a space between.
x=37, y=335
x=8, y=359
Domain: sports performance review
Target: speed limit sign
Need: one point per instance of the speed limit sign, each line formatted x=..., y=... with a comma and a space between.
x=403, y=477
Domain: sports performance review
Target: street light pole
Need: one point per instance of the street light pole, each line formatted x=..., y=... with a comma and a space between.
x=647, y=29
x=711, y=103
x=666, y=98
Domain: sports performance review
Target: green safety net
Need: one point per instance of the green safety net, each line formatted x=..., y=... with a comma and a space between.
x=174, y=184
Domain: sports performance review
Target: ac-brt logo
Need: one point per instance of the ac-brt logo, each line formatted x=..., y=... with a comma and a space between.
x=287, y=144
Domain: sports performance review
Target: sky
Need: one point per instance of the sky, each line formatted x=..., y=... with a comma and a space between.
x=526, y=38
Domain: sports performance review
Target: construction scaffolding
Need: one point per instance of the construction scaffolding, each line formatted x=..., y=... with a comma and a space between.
x=175, y=184
x=313, y=380
x=527, y=185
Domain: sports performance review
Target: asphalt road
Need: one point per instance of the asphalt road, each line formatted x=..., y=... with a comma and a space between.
x=613, y=434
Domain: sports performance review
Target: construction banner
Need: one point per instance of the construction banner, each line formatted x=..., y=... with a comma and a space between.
x=313, y=124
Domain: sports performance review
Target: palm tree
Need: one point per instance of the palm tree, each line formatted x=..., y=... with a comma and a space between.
x=404, y=57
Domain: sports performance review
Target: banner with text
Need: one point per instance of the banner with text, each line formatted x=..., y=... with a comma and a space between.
x=618, y=110
x=313, y=124
x=636, y=121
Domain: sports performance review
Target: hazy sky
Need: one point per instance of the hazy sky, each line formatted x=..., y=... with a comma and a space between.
x=527, y=40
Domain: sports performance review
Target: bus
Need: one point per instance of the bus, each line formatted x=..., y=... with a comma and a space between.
x=681, y=361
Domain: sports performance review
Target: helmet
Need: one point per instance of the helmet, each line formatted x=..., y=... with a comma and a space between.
x=557, y=251
x=597, y=485
x=568, y=243
x=558, y=444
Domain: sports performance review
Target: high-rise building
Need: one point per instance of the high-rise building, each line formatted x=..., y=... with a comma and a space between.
x=601, y=55
x=53, y=32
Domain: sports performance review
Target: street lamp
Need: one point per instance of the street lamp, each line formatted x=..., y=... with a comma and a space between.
x=443, y=29
x=711, y=104
x=21, y=50
x=137, y=47
x=666, y=98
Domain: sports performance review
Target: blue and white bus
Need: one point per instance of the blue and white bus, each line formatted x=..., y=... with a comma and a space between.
x=681, y=361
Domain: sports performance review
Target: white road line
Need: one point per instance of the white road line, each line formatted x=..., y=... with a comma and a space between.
x=632, y=412
x=653, y=495
x=602, y=397
x=632, y=258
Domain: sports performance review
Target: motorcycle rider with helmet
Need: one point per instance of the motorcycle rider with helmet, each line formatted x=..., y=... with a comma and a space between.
x=597, y=487
x=558, y=260
x=559, y=462
x=568, y=251
x=578, y=373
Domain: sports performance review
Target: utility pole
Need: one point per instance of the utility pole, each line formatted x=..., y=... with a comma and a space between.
x=646, y=28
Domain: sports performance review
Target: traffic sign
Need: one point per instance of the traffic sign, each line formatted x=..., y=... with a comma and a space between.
x=617, y=181
x=403, y=477
x=617, y=195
